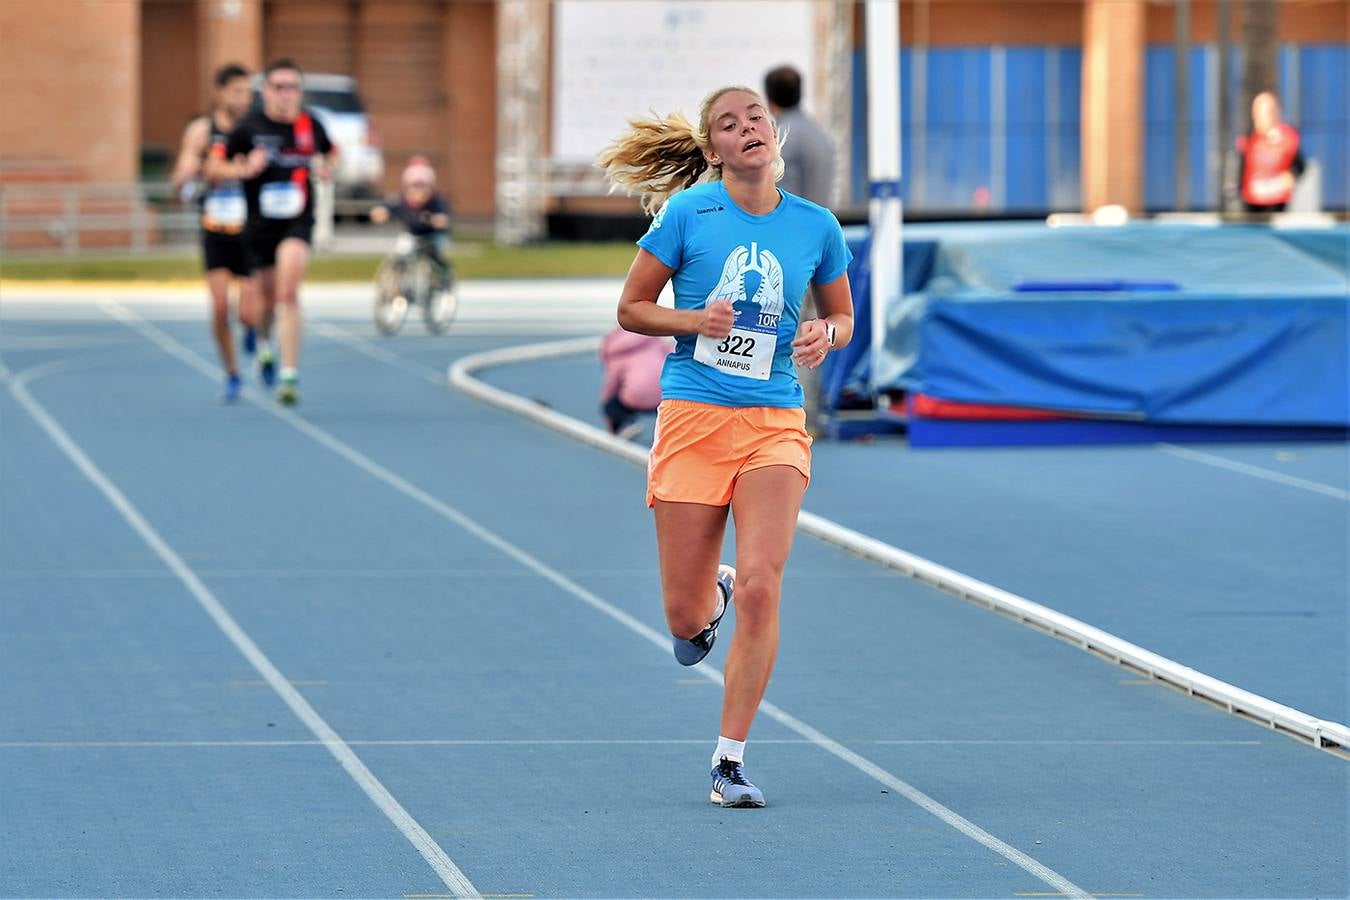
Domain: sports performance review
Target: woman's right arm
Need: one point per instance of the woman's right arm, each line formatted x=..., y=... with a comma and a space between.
x=639, y=312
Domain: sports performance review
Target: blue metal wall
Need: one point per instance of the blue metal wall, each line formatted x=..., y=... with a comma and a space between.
x=997, y=128
x=1323, y=115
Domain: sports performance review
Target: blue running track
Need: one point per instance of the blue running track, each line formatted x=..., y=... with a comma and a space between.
x=402, y=644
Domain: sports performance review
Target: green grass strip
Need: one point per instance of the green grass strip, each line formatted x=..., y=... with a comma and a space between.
x=472, y=260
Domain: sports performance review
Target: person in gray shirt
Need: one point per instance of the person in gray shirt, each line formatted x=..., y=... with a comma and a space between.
x=808, y=152
x=808, y=171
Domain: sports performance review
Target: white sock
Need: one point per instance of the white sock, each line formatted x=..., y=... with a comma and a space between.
x=732, y=750
x=721, y=602
x=289, y=373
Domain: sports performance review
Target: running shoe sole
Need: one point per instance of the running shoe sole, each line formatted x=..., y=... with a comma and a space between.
x=743, y=800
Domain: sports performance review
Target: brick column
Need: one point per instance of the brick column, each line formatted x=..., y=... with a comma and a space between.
x=228, y=31
x=1113, y=103
x=70, y=87
x=469, y=77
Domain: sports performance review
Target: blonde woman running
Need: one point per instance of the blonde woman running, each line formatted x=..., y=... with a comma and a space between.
x=730, y=432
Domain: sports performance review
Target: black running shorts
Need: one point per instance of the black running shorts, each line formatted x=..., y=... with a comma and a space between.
x=264, y=240
x=225, y=251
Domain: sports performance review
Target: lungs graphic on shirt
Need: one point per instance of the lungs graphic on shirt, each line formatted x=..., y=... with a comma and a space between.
x=731, y=286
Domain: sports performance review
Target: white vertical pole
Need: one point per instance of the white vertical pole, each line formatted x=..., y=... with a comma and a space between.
x=325, y=211
x=882, y=19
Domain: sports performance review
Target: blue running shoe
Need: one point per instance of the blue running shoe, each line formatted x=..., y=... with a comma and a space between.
x=233, y=388
x=731, y=789
x=267, y=366
x=250, y=341
x=691, y=652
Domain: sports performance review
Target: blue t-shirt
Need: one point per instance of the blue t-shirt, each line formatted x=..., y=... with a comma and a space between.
x=763, y=264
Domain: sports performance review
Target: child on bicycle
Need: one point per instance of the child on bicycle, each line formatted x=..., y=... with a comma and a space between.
x=423, y=211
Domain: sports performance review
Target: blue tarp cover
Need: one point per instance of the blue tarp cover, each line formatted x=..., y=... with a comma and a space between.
x=1255, y=333
x=1195, y=360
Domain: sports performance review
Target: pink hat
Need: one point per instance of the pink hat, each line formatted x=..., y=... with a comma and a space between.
x=419, y=171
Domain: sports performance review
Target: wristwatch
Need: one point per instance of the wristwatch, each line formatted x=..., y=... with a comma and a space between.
x=829, y=331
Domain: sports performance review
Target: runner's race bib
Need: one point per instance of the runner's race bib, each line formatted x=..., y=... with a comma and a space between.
x=281, y=200
x=1268, y=190
x=747, y=352
x=225, y=209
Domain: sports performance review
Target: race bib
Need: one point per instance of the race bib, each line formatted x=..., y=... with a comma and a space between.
x=281, y=200
x=1268, y=190
x=225, y=209
x=747, y=352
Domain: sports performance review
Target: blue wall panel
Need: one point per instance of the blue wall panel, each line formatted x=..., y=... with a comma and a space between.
x=1204, y=181
x=1066, y=184
x=1042, y=114
x=1323, y=122
x=958, y=134
x=907, y=135
x=1027, y=153
x=1159, y=122
x=857, y=189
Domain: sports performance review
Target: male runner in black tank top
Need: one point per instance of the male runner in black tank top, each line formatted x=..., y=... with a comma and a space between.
x=224, y=253
x=274, y=151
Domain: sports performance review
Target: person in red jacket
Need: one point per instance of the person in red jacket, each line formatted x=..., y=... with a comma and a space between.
x=1271, y=158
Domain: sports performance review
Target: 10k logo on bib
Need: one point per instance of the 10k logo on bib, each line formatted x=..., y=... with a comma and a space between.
x=748, y=351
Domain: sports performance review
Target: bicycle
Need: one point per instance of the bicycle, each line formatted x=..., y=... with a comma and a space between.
x=410, y=275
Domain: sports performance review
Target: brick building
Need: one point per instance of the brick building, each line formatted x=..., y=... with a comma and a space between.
x=86, y=84
x=425, y=69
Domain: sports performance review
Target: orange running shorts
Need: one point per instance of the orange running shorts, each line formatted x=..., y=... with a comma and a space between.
x=701, y=449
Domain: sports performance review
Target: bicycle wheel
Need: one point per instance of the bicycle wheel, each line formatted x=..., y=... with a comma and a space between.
x=391, y=301
x=442, y=304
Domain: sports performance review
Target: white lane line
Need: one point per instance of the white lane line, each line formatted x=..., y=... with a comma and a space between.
x=389, y=574
x=429, y=742
x=1085, y=742
x=18, y=344
x=1232, y=465
x=955, y=820
x=562, y=742
x=448, y=872
x=376, y=352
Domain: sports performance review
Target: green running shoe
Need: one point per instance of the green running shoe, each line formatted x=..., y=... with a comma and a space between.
x=288, y=393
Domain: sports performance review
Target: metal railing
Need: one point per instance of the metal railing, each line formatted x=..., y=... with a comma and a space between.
x=73, y=218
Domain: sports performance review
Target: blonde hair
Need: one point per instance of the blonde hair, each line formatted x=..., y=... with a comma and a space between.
x=660, y=156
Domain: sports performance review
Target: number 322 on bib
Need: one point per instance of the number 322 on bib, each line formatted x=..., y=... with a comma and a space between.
x=747, y=352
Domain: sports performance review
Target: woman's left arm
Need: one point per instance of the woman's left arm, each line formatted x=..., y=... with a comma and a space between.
x=834, y=303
